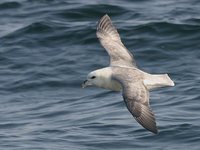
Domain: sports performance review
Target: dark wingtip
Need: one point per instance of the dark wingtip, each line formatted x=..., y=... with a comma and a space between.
x=147, y=119
x=155, y=131
x=106, y=15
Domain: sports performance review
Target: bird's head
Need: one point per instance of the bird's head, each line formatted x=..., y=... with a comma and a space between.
x=92, y=79
x=97, y=78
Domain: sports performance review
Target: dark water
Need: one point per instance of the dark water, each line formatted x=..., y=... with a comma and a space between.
x=47, y=47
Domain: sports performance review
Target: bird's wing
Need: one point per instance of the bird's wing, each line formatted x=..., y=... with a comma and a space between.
x=110, y=40
x=136, y=97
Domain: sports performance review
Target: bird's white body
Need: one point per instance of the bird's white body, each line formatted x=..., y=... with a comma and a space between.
x=104, y=79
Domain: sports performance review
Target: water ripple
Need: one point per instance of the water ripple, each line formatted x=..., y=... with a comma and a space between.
x=47, y=49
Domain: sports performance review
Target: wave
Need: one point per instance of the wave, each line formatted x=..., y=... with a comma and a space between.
x=9, y=5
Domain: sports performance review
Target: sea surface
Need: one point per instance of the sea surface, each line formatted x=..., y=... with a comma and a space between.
x=47, y=48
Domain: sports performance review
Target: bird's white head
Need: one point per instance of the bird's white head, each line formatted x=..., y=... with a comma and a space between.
x=98, y=78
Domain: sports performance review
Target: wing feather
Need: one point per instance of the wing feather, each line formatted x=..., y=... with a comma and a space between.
x=111, y=41
x=136, y=97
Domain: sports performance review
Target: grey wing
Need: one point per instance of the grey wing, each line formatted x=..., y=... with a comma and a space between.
x=110, y=40
x=136, y=97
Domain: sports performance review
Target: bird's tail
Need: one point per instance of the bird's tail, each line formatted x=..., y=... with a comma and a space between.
x=156, y=81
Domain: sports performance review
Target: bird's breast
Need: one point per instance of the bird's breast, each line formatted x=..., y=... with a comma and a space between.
x=112, y=85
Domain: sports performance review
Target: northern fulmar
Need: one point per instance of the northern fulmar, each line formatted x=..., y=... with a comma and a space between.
x=123, y=74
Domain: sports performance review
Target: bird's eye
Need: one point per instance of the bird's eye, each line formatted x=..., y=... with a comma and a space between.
x=93, y=77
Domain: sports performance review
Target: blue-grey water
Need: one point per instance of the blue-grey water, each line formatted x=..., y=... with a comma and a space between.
x=47, y=48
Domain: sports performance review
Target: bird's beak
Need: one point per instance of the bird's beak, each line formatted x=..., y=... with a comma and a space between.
x=85, y=84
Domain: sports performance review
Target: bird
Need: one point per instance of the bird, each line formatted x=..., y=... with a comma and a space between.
x=123, y=74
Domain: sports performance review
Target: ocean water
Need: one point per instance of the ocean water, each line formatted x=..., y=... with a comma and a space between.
x=47, y=48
